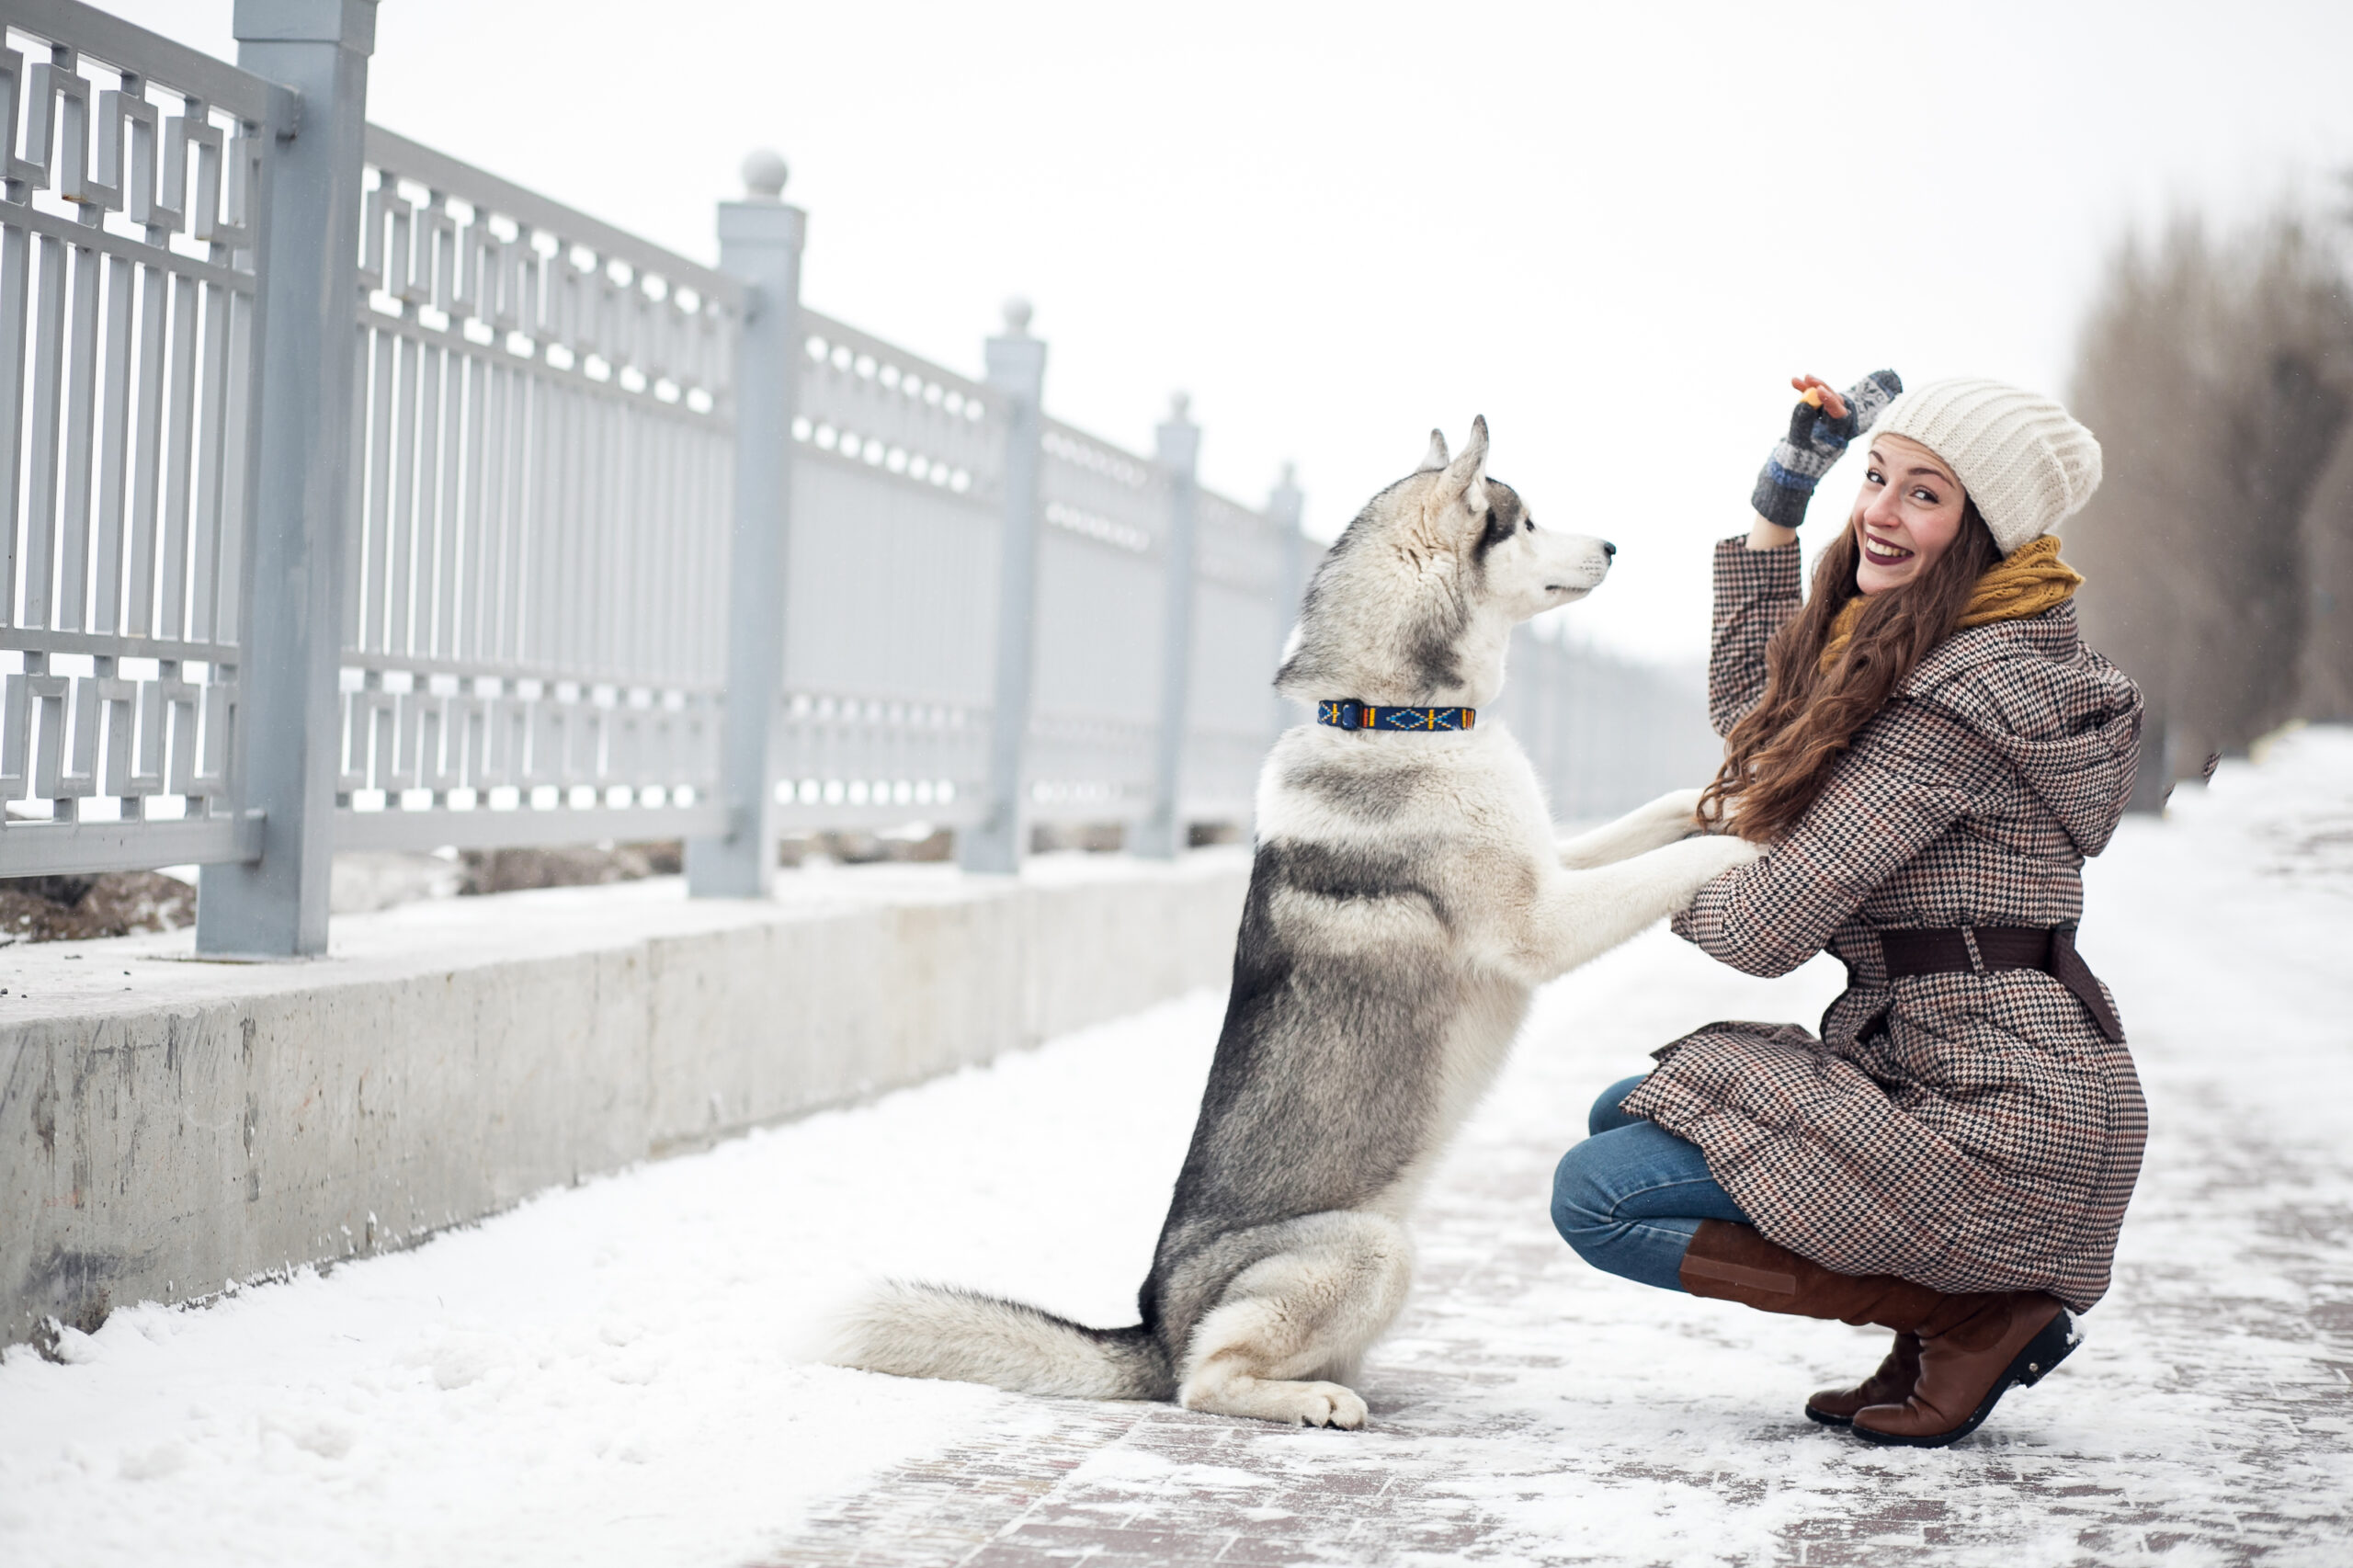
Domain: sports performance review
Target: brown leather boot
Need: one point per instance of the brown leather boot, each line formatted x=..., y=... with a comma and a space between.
x=1974, y=1350
x=1892, y=1384
x=1978, y=1345
x=1735, y=1263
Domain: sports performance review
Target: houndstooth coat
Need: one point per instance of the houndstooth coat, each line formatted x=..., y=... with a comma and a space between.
x=1967, y=1131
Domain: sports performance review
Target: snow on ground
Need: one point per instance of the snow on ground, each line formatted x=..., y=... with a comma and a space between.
x=623, y=1372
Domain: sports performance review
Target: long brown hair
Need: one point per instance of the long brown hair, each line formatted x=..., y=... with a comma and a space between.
x=1778, y=756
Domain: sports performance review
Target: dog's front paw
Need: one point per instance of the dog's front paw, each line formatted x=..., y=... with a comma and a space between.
x=1329, y=1404
x=1675, y=805
x=1674, y=814
x=1271, y=1398
x=1711, y=856
x=1732, y=853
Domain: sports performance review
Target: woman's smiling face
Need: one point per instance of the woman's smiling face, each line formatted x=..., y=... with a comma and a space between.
x=1908, y=514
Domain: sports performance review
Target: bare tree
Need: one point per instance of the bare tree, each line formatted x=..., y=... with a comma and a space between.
x=2217, y=376
x=2325, y=687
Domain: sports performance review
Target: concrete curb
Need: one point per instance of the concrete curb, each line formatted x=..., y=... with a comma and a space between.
x=168, y=1127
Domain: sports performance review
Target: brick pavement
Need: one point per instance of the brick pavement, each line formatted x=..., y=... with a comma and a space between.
x=1470, y=1453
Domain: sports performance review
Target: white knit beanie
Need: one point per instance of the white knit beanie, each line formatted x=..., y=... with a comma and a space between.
x=2021, y=457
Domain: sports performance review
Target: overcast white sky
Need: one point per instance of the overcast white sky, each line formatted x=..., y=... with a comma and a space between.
x=1615, y=230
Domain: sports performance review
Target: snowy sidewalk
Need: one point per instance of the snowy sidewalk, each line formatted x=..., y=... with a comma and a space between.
x=621, y=1373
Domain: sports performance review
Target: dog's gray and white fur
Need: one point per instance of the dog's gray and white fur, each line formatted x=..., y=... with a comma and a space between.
x=1406, y=897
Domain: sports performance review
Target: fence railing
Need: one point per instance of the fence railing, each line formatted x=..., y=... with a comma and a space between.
x=522, y=529
x=890, y=628
x=536, y=548
x=128, y=296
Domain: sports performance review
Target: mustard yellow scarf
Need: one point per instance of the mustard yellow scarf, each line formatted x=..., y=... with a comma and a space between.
x=2028, y=582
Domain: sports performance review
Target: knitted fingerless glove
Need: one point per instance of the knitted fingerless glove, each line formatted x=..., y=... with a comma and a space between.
x=1815, y=441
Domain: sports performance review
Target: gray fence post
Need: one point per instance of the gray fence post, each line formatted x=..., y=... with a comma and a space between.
x=760, y=241
x=288, y=720
x=1161, y=835
x=1284, y=504
x=1016, y=370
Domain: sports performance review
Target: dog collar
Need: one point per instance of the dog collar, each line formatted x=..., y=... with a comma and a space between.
x=1350, y=714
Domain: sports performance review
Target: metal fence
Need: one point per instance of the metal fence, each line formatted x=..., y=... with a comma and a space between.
x=889, y=634
x=536, y=543
x=128, y=284
x=522, y=529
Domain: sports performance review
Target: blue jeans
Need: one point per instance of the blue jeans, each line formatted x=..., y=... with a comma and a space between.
x=1629, y=1198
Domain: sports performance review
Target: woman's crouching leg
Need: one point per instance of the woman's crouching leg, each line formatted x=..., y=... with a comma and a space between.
x=1629, y=1200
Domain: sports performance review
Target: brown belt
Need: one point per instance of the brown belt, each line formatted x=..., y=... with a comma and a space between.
x=1945, y=949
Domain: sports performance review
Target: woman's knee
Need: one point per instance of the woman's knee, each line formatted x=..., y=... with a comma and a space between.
x=1583, y=1209
x=1607, y=1115
x=1588, y=1210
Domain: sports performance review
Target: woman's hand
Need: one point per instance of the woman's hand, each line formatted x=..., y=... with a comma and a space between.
x=1821, y=426
x=1821, y=393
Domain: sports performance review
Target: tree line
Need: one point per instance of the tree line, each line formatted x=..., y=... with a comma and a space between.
x=2217, y=374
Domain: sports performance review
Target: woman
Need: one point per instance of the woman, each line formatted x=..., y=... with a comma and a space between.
x=1928, y=753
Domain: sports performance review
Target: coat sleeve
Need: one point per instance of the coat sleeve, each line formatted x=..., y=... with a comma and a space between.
x=1908, y=776
x=1756, y=592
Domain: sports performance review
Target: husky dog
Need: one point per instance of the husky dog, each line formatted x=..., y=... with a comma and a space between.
x=1405, y=898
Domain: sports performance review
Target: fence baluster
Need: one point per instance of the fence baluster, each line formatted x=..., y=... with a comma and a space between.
x=16, y=267
x=73, y=521
x=113, y=427
x=49, y=403
x=147, y=455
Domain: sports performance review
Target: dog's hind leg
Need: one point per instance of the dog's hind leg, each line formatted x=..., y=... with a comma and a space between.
x=1296, y=1319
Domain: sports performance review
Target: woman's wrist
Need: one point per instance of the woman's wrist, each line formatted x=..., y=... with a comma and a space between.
x=1765, y=534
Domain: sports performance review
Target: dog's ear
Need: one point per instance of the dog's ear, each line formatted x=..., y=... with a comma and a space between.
x=1466, y=476
x=1435, y=458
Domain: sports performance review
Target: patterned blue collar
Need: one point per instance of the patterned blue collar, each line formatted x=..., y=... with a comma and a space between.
x=1350, y=714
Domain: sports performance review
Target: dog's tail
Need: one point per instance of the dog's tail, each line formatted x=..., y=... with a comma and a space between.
x=937, y=1331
